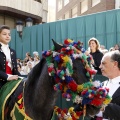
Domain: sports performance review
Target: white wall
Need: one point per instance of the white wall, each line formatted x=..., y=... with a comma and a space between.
x=29, y=6
x=51, y=10
x=117, y=4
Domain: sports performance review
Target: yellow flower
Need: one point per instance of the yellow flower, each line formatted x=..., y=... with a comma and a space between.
x=65, y=88
x=65, y=60
x=70, y=41
x=69, y=118
x=106, y=101
x=79, y=88
x=71, y=110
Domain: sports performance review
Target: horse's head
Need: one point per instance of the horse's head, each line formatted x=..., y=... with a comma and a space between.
x=73, y=68
x=80, y=65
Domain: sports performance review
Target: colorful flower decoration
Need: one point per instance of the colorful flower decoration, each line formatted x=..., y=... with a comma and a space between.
x=60, y=66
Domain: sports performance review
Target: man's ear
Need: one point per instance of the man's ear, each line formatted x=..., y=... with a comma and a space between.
x=116, y=63
x=57, y=46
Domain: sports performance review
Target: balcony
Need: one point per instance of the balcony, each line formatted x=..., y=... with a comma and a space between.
x=24, y=8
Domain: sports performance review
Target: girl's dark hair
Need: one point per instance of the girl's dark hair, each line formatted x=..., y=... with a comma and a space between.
x=4, y=27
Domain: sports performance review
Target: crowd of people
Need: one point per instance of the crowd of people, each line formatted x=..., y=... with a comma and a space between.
x=25, y=66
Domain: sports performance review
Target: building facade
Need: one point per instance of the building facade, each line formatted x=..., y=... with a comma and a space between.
x=14, y=10
x=51, y=11
x=72, y=8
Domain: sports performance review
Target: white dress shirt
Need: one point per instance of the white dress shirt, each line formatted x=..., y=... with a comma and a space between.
x=6, y=51
x=113, y=85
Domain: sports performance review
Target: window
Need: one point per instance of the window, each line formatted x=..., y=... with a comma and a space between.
x=74, y=12
x=95, y=2
x=59, y=5
x=66, y=2
x=67, y=15
x=84, y=6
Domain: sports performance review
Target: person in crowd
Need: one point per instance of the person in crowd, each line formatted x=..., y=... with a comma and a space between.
x=111, y=49
x=23, y=66
x=8, y=63
x=19, y=67
x=28, y=56
x=36, y=60
x=35, y=53
x=110, y=67
x=19, y=61
x=97, y=55
x=31, y=59
x=116, y=47
x=29, y=66
x=103, y=49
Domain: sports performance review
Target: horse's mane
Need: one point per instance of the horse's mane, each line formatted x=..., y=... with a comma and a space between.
x=36, y=71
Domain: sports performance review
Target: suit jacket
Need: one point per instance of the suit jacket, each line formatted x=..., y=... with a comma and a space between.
x=112, y=111
x=3, y=75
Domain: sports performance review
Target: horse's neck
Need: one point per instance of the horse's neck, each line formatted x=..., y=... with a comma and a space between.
x=39, y=95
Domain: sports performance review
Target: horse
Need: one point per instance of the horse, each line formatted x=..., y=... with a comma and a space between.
x=39, y=95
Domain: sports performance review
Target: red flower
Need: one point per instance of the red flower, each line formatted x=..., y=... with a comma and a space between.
x=50, y=69
x=65, y=111
x=21, y=106
x=79, y=113
x=20, y=96
x=63, y=49
x=73, y=117
x=96, y=102
x=66, y=42
x=72, y=85
x=92, y=72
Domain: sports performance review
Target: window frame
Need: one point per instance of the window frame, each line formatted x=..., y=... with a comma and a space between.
x=95, y=3
x=82, y=4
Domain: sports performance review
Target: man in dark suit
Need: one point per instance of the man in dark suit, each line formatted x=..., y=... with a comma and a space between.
x=8, y=63
x=110, y=67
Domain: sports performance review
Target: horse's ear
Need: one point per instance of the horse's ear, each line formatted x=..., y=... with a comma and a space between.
x=57, y=46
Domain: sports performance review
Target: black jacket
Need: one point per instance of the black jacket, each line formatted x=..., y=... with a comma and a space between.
x=112, y=111
x=3, y=75
x=97, y=57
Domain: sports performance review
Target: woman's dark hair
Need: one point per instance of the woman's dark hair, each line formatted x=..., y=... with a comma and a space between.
x=4, y=27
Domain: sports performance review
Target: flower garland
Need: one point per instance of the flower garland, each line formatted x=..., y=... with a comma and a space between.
x=92, y=93
x=60, y=66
